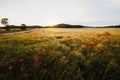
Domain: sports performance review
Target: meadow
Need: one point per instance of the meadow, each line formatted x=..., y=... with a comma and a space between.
x=3, y=30
x=61, y=54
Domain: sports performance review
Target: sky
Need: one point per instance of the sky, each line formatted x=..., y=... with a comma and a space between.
x=51, y=12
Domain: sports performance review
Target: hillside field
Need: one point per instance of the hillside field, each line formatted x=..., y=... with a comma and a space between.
x=61, y=54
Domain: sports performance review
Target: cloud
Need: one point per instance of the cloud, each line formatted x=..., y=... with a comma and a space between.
x=112, y=4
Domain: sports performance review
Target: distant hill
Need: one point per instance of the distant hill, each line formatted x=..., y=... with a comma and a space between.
x=66, y=26
x=114, y=26
x=79, y=26
x=62, y=25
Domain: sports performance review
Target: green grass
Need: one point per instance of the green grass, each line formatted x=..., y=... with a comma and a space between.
x=2, y=31
x=61, y=54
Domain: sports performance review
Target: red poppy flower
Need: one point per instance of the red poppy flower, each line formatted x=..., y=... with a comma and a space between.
x=103, y=43
x=21, y=68
x=21, y=60
x=35, y=64
x=10, y=67
x=36, y=57
x=92, y=43
x=98, y=50
x=44, y=64
x=99, y=35
x=96, y=41
x=88, y=49
x=52, y=52
x=106, y=33
x=70, y=39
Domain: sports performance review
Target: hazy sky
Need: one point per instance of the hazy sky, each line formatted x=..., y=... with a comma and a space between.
x=50, y=12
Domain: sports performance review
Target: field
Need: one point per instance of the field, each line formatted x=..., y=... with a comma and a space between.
x=61, y=54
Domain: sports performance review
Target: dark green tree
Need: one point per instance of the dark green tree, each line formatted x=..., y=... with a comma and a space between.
x=4, y=21
x=23, y=26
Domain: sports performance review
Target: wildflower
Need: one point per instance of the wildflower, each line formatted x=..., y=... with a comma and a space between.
x=106, y=33
x=88, y=49
x=52, y=52
x=98, y=50
x=36, y=58
x=99, y=35
x=35, y=64
x=70, y=39
x=21, y=60
x=103, y=43
x=92, y=43
x=10, y=67
x=21, y=68
x=96, y=40
x=44, y=64
x=76, y=41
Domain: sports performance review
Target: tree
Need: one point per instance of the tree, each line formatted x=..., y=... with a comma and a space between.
x=23, y=24
x=4, y=21
x=23, y=27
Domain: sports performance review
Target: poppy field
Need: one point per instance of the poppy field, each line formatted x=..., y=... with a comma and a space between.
x=61, y=54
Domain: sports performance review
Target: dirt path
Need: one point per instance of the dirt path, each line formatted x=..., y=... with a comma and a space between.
x=3, y=34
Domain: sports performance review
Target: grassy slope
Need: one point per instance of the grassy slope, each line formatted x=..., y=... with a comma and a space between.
x=64, y=54
x=12, y=30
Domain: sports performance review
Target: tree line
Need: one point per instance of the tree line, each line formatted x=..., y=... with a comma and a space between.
x=4, y=21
